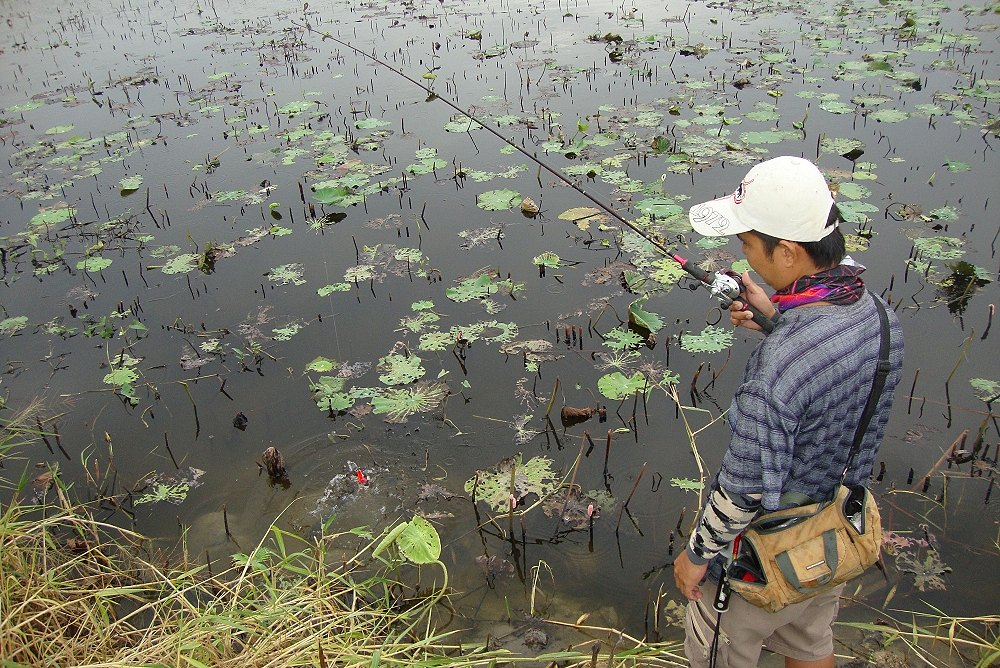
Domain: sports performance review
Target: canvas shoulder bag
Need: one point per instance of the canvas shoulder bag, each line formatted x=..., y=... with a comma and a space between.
x=790, y=555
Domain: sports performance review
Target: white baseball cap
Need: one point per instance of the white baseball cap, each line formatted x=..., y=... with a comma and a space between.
x=786, y=197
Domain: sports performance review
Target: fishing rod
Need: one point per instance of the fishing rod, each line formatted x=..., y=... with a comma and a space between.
x=724, y=286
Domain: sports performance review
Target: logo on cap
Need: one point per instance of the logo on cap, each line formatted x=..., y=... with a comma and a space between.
x=741, y=191
x=706, y=215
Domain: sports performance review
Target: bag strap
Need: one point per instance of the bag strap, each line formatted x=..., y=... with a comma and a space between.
x=881, y=372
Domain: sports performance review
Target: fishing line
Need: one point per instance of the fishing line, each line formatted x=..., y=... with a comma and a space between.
x=726, y=287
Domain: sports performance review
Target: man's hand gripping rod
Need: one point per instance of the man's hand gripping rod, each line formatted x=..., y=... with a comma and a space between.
x=726, y=288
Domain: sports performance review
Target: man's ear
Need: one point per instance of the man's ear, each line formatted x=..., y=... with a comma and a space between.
x=787, y=253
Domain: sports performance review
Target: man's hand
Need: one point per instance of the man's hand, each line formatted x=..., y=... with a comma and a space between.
x=756, y=297
x=687, y=576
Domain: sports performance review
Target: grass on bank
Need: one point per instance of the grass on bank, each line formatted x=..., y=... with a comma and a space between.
x=77, y=591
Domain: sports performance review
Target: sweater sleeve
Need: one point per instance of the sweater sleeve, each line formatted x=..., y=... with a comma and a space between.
x=724, y=516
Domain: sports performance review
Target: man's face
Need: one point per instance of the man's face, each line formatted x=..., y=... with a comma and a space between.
x=761, y=261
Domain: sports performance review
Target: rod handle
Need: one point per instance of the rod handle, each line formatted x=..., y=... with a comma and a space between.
x=762, y=320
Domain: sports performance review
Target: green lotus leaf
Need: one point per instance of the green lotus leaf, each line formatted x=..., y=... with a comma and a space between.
x=120, y=377
x=853, y=191
x=397, y=404
x=957, y=166
x=667, y=272
x=95, y=263
x=547, y=259
x=322, y=365
x=396, y=369
x=181, y=264
x=287, y=273
x=621, y=339
x=987, y=390
x=328, y=290
x=939, y=248
x=436, y=340
x=419, y=541
x=645, y=319
x=13, y=325
x=370, y=123
x=362, y=272
x=498, y=200
x=944, y=213
x=53, y=215
x=493, y=486
x=889, y=115
x=837, y=107
x=711, y=340
x=661, y=207
x=130, y=184
x=762, y=137
x=472, y=288
x=618, y=386
x=840, y=145
x=59, y=129
x=462, y=125
x=293, y=109
x=687, y=484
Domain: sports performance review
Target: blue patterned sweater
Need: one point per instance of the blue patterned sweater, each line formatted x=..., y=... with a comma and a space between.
x=794, y=416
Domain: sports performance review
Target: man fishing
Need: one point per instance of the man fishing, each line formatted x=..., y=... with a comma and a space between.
x=795, y=414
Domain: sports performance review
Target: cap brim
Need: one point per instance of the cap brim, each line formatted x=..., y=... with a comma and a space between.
x=716, y=218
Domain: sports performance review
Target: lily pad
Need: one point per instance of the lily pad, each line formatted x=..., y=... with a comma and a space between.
x=419, y=541
x=94, y=263
x=498, y=200
x=396, y=369
x=618, y=386
x=494, y=486
x=712, y=339
x=12, y=326
x=399, y=404
x=130, y=184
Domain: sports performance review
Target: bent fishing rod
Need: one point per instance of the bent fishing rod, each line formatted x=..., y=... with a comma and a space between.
x=724, y=286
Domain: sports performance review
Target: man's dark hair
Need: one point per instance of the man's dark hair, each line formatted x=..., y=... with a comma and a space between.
x=825, y=253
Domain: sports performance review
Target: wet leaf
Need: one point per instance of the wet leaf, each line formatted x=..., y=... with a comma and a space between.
x=12, y=326
x=328, y=290
x=498, y=200
x=547, y=259
x=399, y=404
x=578, y=508
x=687, y=484
x=585, y=216
x=940, y=248
x=621, y=339
x=889, y=115
x=130, y=184
x=927, y=571
x=987, y=390
x=662, y=207
x=618, y=386
x=643, y=318
x=712, y=339
x=493, y=486
x=396, y=369
x=419, y=541
x=472, y=288
x=287, y=273
x=174, y=494
x=120, y=377
x=181, y=264
x=94, y=264
x=53, y=215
